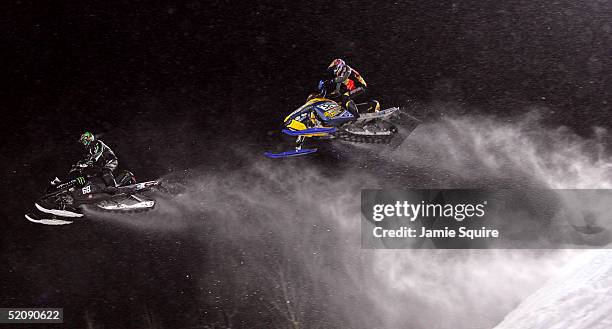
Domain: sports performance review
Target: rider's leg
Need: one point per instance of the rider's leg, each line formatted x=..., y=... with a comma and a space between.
x=371, y=106
x=109, y=181
x=374, y=106
x=108, y=177
x=352, y=107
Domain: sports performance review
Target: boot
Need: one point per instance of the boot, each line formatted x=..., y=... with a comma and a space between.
x=351, y=107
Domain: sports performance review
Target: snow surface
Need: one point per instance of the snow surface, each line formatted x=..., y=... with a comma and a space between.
x=579, y=297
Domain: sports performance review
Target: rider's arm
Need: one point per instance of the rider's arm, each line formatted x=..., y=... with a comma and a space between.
x=356, y=92
x=359, y=79
x=96, y=151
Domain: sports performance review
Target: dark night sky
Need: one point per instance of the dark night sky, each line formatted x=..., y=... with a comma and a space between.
x=93, y=64
x=179, y=78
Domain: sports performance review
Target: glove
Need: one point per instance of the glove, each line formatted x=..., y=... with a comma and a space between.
x=84, y=163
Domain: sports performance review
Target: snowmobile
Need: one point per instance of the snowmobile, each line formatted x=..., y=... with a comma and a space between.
x=323, y=118
x=62, y=202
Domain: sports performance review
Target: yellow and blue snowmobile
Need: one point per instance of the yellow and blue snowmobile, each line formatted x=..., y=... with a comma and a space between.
x=323, y=118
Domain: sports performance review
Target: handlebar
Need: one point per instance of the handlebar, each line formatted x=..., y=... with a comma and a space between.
x=80, y=165
x=83, y=164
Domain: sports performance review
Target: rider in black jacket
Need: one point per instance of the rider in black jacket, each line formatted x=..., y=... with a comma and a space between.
x=101, y=157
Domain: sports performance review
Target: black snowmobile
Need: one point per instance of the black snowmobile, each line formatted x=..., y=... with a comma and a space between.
x=63, y=201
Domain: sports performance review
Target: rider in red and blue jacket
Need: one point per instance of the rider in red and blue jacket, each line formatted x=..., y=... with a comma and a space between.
x=343, y=85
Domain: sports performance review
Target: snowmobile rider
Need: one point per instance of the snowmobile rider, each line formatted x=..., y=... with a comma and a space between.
x=101, y=157
x=343, y=85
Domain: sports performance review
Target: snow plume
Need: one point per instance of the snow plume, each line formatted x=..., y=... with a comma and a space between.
x=474, y=146
x=523, y=154
x=282, y=238
x=283, y=246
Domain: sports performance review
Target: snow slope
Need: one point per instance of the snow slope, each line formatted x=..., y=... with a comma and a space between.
x=580, y=297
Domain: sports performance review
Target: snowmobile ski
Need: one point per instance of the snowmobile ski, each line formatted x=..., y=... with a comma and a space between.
x=289, y=153
x=46, y=221
x=58, y=212
x=311, y=131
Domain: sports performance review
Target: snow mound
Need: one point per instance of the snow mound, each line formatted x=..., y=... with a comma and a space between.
x=580, y=297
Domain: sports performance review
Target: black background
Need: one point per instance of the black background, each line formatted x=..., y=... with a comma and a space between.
x=172, y=86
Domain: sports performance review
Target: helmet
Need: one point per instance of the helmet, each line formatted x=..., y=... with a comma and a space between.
x=338, y=67
x=86, y=138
